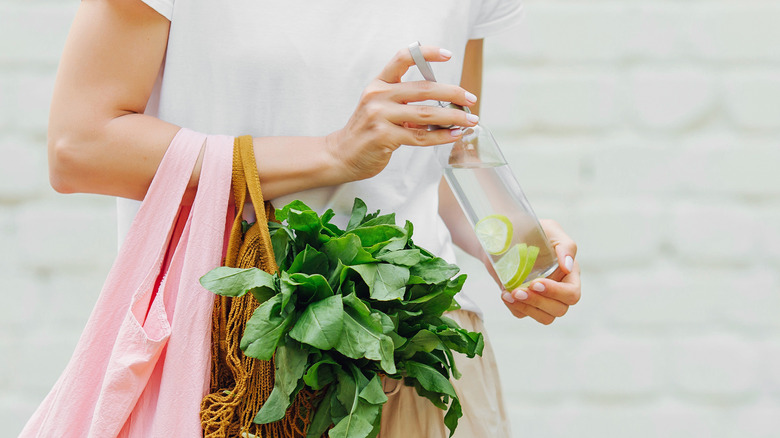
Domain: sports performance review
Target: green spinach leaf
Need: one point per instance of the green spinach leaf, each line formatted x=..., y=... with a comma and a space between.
x=322, y=418
x=453, y=414
x=321, y=324
x=309, y=261
x=235, y=282
x=385, y=281
x=347, y=250
x=264, y=329
x=433, y=271
x=430, y=378
x=321, y=373
x=290, y=365
x=358, y=214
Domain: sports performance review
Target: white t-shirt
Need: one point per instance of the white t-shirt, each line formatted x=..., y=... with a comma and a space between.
x=298, y=68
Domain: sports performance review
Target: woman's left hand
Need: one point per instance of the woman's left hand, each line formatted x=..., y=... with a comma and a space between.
x=545, y=299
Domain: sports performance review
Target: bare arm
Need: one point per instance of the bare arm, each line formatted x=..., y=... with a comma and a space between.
x=101, y=142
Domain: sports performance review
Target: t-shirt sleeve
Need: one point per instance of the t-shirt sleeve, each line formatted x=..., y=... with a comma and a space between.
x=163, y=7
x=494, y=16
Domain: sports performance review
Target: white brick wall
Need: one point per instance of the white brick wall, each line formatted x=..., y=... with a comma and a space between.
x=669, y=98
x=751, y=98
x=650, y=130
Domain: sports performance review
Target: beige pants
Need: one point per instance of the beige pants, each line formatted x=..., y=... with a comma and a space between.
x=407, y=415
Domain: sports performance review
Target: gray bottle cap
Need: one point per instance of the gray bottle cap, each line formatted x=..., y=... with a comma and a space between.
x=419, y=60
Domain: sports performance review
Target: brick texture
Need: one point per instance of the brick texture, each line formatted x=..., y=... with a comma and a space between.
x=32, y=33
x=670, y=98
x=728, y=32
x=751, y=98
x=24, y=172
x=650, y=130
x=714, y=367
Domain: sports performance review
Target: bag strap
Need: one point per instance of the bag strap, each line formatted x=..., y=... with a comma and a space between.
x=160, y=207
x=246, y=178
x=253, y=179
x=241, y=384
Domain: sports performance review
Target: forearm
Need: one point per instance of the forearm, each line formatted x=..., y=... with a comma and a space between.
x=292, y=164
x=460, y=228
x=119, y=157
x=114, y=156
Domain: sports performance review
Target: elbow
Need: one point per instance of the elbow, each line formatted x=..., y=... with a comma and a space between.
x=63, y=164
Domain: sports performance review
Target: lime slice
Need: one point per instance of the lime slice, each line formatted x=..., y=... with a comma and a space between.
x=530, y=259
x=495, y=233
x=510, y=266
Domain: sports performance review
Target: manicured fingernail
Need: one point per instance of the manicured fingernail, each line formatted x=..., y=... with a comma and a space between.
x=456, y=132
x=445, y=53
x=473, y=118
x=569, y=262
x=521, y=294
x=470, y=98
x=508, y=297
x=539, y=287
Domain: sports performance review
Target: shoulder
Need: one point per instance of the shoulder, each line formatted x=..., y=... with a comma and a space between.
x=494, y=16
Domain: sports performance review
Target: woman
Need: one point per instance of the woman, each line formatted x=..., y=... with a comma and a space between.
x=302, y=78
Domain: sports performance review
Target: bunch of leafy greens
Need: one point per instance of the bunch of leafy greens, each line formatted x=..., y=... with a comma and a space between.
x=346, y=307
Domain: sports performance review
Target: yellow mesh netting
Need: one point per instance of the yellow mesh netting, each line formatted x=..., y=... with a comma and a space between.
x=240, y=384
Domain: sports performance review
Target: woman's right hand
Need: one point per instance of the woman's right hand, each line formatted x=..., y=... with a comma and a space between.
x=383, y=121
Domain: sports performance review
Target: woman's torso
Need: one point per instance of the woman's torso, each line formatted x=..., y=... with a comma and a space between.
x=297, y=68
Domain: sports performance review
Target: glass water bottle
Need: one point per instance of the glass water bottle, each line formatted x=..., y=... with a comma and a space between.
x=496, y=207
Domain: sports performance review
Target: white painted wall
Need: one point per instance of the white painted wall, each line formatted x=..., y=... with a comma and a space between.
x=650, y=130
